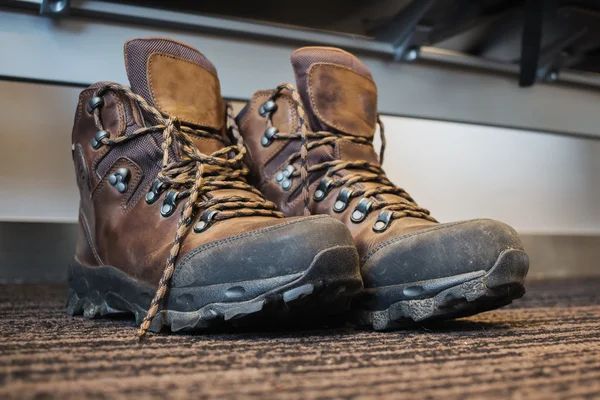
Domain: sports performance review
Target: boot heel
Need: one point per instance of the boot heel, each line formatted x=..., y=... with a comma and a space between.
x=91, y=293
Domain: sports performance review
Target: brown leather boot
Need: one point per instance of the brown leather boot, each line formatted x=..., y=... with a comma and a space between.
x=168, y=226
x=312, y=148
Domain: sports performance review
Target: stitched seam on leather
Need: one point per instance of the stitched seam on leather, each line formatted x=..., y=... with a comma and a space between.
x=151, y=85
x=230, y=239
x=121, y=112
x=132, y=187
x=253, y=101
x=249, y=113
x=105, y=149
x=283, y=144
x=312, y=99
x=308, y=48
x=80, y=107
x=293, y=118
x=78, y=117
x=149, y=39
x=80, y=111
x=136, y=113
x=83, y=173
x=416, y=233
x=276, y=150
x=299, y=199
x=88, y=238
x=357, y=146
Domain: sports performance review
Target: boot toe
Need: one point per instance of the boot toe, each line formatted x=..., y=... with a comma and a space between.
x=442, y=251
x=280, y=250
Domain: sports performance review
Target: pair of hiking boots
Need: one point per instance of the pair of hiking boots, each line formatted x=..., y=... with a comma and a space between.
x=191, y=217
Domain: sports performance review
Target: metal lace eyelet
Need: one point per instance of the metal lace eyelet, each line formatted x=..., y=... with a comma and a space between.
x=322, y=189
x=283, y=178
x=155, y=191
x=97, y=141
x=267, y=138
x=205, y=221
x=288, y=171
x=286, y=184
x=360, y=212
x=342, y=200
x=383, y=221
x=119, y=179
x=170, y=204
x=93, y=103
x=267, y=107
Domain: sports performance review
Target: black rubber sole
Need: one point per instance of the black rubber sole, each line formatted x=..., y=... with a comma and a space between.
x=397, y=306
x=324, y=288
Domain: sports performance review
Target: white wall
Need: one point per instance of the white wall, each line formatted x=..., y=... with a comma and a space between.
x=539, y=183
x=37, y=180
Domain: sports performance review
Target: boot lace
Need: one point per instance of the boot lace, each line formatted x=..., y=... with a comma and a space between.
x=192, y=176
x=356, y=171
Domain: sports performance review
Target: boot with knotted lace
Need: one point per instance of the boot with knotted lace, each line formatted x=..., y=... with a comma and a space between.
x=311, y=148
x=169, y=229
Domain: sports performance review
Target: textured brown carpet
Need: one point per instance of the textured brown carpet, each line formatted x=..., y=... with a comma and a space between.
x=547, y=345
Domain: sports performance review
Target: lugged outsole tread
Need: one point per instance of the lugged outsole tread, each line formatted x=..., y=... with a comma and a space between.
x=312, y=295
x=488, y=291
x=460, y=301
x=214, y=316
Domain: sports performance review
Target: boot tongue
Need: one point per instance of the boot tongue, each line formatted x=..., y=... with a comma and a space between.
x=337, y=90
x=176, y=79
x=181, y=82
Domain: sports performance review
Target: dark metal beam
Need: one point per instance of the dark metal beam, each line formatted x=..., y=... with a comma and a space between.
x=135, y=16
x=554, y=56
x=55, y=7
x=531, y=41
x=404, y=32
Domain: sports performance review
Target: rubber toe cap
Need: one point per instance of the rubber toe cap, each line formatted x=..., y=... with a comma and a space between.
x=274, y=251
x=439, y=252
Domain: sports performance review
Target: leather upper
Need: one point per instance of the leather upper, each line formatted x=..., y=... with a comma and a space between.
x=343, y=99
x=185, y=89
x=121, y=229
x=265, y=162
